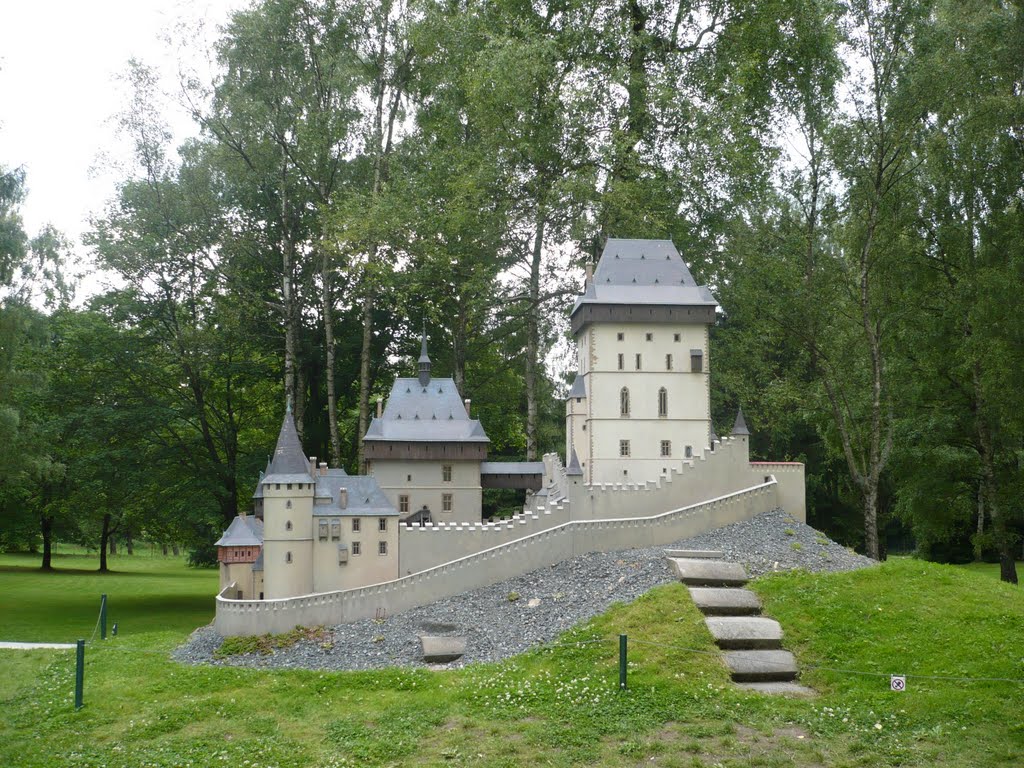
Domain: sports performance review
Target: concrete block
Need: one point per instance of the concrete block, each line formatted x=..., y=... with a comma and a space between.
x=743, y=632
x=708, y=573
x=780, y=689
x=725, y=601
x=695, y=554
x=438, y=650
x=761, y=666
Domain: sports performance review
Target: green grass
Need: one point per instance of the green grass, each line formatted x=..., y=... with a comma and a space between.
x=561, y=706
x=145, y=593
x=992, y=569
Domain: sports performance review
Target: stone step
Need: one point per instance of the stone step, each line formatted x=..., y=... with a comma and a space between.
x=780, y=688
x=695, y=554
x=708, y=573
x=442, y=649
x=744, y=632
x=761, y=666
x=725, y=601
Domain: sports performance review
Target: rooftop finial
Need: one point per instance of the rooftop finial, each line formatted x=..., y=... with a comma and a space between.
x=424, y=362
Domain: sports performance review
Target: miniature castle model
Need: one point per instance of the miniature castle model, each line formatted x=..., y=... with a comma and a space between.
x=644, y=468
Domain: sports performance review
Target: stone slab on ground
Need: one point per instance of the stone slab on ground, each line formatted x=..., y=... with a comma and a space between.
x=743, y=632
x=779, y=689
x=35, y=646
x=696, y=554
x=708, y=573
x=761, y=666
x=440, y=650
x=725, y=601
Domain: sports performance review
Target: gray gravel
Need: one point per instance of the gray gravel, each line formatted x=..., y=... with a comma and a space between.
x=509, y=617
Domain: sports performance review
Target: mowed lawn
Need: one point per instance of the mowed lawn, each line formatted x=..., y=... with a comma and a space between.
x=145, y=592
x=561, y=706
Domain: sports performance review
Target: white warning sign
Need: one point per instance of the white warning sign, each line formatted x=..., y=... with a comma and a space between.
x=898, y=682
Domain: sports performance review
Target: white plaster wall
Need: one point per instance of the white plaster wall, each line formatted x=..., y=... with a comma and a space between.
x=428, y=487
x=792, y=484
x=281, y=578
x=368, y=567
x=240, y=617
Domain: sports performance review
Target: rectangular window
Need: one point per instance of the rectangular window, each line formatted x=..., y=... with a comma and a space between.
x=335, y=530
x=323, y=530
x=623, y=447
x=620, y=336
x=666, y=447
x=676, y=337
x=403, y=503
x=356, y=548
x=382, y=547
x=696, y=361
x=638, y=362
x=446, y=473
x=355, y=525
x=622, y=361
x=649, y=336
x=382, y=523
x=668, y=362
x=688, y=451
x=446, y=502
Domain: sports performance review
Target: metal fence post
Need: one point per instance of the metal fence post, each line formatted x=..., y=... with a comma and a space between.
x=79, y=672
x=622, y=662
x=103, y=617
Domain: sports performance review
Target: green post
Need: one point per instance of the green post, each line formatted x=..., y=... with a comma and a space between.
x=103, y=617
x=79, y=672
x=622, y=662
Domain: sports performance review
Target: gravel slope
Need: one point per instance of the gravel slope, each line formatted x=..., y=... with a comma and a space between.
x=498, y=621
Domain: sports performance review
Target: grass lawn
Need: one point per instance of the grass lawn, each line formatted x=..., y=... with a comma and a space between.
x=145, y=593
x=561, y=706
x=992, y=569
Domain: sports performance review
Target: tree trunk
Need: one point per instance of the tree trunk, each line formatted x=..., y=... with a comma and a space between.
x=46, y=528
x=988, y=488
x=175, y=550
x=104, y=542
x=364, y=372
x=112, y=545
x=288, y=299
x=129, y=544
x=533, y=338
x=332, y=397
x=164, y=548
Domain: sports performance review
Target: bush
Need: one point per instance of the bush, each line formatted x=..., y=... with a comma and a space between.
x=203, y=556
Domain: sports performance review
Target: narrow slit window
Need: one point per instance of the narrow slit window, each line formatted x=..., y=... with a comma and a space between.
x=622, y=361
x=696, y=361
x=662, y=402
x=624, y=402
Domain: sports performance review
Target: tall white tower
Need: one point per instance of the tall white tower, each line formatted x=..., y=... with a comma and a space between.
x=641, y=403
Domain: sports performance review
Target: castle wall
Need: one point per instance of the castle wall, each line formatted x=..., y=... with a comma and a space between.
x=423, y=482
x=547, y=547
x=336, y=564
x=792, y=484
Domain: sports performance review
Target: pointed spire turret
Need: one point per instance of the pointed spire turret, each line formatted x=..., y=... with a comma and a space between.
x=574, y=469
x=424, y=361
x=740, y=427
x=288, y=457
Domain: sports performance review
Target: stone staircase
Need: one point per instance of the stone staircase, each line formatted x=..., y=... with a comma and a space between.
x=751, y=643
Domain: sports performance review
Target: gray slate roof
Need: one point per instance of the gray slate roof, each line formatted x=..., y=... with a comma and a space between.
x=643, y=272
x=243, y=532
x=511, y=467
x=365, y=498
x=578, y=389
x=434, y=413
x=739, y=427
x=289, y=464
x=574, y=469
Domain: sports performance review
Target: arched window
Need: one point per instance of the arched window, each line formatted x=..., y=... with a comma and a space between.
x=663, y=402
x=624, y=402
x=288, y=525
x=288, y=504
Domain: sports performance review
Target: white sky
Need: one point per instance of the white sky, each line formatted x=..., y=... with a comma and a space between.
x=59, y=63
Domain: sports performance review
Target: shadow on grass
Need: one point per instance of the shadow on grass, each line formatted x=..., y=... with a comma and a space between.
x=56, y=572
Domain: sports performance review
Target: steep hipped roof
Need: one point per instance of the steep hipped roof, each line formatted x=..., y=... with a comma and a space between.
x=644, y=272
x=243, y=532
x=434, y=413
x=289, y=460
x=739, y=427
x=578, y=389
x=364, y=496
x=574, y=469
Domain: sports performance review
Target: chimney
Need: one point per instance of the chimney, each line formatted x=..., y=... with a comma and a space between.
x=312, y=465
x=589, y=266
x=380, y=407
x=323, y=468
x=466, y=402
x=343, y=498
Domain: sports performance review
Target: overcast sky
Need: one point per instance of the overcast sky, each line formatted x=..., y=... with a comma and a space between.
x=59, y=64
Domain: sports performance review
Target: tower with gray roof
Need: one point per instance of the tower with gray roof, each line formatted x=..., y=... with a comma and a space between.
x=425, y=449
x=640, y=403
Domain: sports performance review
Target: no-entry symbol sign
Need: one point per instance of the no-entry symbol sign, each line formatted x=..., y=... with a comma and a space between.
x=898, y=682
